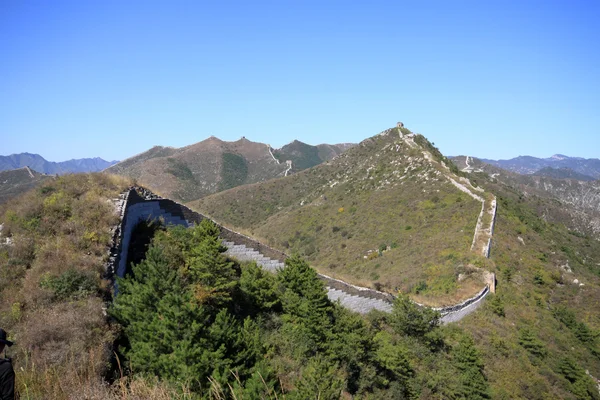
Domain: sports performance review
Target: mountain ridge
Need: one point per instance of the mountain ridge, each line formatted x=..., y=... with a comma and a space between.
x=18, y=181
x=341, y=215
x=579, y=199
x=41, y=165
x=528, y=165
x=212, y=165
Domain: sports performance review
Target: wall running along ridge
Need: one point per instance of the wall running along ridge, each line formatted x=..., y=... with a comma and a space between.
x=139, y=204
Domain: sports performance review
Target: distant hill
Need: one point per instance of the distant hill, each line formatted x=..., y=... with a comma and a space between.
x=213, y=165
x=576, y=197
x=530, y=165
x=305, y=156
x=39, y=164
x=563, y=173
x=18, y=181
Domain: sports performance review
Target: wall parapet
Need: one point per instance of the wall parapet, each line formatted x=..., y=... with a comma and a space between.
x=117, y=237
x=458, y=307
x=356, y=290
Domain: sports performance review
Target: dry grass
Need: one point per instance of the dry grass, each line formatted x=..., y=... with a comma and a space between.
x=64, y=330
x=467, y=289
x=62, y=339
x=73, y=380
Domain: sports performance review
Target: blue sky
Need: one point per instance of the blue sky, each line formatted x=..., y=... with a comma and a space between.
x=483, y=78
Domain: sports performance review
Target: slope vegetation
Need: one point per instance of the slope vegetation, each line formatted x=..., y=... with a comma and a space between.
x=53, y=244
x=305, y=156
x=572, y=202
x=17, y=181
x=563, y=173
x=543, y=323
x=388, y=213
x=213, y=165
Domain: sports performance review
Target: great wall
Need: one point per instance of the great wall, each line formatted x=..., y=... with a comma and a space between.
x=139, y=204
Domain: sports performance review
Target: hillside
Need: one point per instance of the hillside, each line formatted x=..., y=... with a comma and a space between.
x=18, y=181
x=548, y=291
x=530, y=165
x=536, y=338
x=387, y=213
x=562, y=173
x=304, y=156
x=39, y=164
x=53, y=249
x=213, y=165
x=571, y=202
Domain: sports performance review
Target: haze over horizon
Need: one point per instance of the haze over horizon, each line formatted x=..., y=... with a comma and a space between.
x=112, y=79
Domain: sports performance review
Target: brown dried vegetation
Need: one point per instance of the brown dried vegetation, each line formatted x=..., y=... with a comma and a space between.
x=50, y=284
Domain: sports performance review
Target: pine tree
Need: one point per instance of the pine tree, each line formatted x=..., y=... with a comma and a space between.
x=468, y=361
x=410, y=319
x=259, y=289
x=320, y=380
x=307, y=310
x=396, y=366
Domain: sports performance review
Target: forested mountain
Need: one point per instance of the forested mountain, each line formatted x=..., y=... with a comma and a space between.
x=39, y=164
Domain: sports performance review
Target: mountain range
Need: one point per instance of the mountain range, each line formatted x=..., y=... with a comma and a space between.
x=578, y=195
x=588, y=167
x=391, y=213
x=213, y=165
x=39, y=164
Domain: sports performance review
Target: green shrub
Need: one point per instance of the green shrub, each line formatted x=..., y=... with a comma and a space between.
x=234, y=171
x=70, y=284
x=411, y=319
x=468, y=360
x=529, y=340
x=420, y=287
x=180, y=170
x=496, y=305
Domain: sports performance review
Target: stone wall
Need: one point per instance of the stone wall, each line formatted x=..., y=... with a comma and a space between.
x=487, y=250
x=139, y=204
x=460, y=306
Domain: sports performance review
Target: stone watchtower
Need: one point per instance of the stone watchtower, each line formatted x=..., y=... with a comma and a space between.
x=400, y=125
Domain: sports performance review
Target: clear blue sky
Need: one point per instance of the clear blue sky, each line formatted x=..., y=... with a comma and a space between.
x=113, y=78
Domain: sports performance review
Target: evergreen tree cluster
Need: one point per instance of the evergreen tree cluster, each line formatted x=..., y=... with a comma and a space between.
x=193, y=317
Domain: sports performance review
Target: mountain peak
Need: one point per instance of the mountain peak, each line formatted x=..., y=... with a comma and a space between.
x=558, y=157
